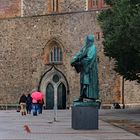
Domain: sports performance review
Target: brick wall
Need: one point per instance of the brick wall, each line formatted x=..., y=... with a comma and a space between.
x=72, y=5
x=9, y=8
x=34, y=7
x=131, y=92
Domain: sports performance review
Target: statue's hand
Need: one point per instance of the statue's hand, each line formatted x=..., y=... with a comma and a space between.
x=72, y=64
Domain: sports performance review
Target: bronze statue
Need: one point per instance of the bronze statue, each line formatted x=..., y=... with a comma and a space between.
x=85, y=63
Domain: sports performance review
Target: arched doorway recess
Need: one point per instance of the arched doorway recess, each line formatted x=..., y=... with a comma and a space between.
x=54, y=86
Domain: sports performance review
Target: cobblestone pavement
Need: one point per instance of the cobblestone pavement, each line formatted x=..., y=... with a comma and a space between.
x=42, y=127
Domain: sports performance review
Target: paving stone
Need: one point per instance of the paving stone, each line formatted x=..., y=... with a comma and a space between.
x=43, y=127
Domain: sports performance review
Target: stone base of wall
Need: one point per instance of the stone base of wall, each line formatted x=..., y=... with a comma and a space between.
x=133, y=105
x=9, y=106
x=104, y=106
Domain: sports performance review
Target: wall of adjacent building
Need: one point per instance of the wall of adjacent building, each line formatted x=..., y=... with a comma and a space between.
x=131, y=93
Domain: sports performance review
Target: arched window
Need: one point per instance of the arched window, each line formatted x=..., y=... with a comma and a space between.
x=55, y=55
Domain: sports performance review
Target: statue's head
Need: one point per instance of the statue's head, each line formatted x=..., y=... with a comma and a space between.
x=90, y=39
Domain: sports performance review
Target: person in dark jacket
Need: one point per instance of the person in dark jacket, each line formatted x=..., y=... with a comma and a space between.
x=22, y=102
x=29, y=104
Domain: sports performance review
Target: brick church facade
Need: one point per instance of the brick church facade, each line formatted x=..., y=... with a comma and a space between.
x=37, y=41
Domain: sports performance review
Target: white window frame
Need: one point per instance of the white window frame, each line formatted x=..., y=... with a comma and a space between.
x=55, y=55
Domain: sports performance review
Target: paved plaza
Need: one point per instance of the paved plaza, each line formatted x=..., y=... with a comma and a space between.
x=43, y=126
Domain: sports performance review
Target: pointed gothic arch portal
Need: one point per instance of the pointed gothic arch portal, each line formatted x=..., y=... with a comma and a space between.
x=54, y=86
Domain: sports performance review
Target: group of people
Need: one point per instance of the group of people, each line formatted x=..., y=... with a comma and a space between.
x=28, y=104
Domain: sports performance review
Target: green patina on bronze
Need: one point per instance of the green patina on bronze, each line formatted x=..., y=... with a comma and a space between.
x=85, y=63
x=87, y=104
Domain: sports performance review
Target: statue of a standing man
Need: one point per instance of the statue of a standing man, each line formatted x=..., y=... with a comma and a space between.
x=85, y=62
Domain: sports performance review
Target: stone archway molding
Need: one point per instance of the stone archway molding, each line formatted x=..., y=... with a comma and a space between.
x=46, y=78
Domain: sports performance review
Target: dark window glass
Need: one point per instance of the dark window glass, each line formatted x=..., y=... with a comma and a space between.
x=56, y=78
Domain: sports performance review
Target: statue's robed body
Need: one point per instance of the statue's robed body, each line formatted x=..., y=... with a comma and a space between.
x=86, y=63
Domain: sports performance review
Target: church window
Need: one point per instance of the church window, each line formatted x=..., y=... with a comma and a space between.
x=92, y=4
x=54, y=5
x=96, y=4
x=55, y=55
x=98, y=37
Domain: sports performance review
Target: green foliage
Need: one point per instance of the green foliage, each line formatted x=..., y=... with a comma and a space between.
x=121, y=29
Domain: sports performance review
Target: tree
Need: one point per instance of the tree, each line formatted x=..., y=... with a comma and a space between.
x=121, y=29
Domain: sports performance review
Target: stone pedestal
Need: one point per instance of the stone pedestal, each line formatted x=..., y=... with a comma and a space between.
x=85, y=117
